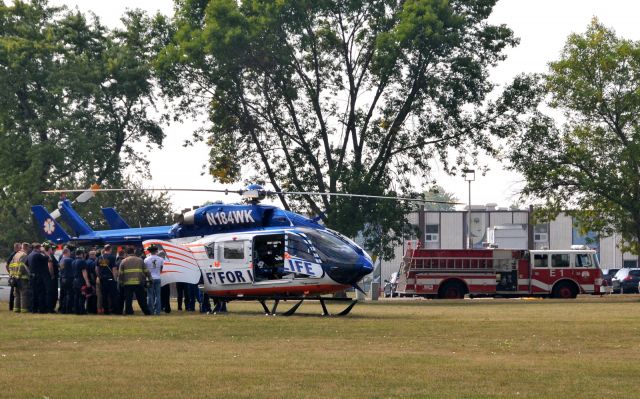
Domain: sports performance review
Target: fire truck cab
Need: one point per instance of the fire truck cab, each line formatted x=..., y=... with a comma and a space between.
x=499, y=272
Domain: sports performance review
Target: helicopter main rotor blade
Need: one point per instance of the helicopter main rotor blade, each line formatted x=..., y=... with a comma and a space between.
x=142, y=189
x=85, y=196
x=243, y=191
x=360, y=196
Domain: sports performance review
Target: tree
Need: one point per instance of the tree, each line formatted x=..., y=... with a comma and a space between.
x=353, y=96
x=445, y=199
x=591, y=160
x=74, y=97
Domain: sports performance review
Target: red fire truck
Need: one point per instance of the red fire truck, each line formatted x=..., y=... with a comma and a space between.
x=452, y=273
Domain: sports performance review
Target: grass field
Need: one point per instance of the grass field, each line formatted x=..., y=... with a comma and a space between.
x=588, y=347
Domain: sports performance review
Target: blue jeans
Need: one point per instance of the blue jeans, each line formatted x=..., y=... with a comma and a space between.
x=153, y=297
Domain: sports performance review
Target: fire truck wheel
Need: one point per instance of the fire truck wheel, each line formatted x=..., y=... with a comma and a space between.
x=451, y=290
x=565, y=290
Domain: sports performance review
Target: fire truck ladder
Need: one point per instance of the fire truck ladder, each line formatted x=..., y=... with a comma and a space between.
x=403, y=272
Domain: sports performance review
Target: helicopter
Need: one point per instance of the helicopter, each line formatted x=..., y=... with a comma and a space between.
x=241, y=251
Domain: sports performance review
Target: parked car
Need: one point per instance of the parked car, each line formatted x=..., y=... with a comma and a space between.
x=626, y=281
x=4, y=288
x=391, y=285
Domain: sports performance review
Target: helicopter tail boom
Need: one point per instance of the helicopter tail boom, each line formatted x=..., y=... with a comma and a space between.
x=71, y=217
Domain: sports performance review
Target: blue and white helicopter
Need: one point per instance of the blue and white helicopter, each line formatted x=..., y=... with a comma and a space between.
x=245, y=251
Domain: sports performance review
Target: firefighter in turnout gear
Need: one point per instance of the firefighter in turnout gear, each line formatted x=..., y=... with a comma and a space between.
x=133, y=275
x=21, y=273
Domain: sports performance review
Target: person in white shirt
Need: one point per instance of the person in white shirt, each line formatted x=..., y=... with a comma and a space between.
x=154, y=264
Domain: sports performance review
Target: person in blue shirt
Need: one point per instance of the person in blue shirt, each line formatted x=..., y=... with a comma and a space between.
x=80, y=279
x=66, y=282
x=92, y=305
x=106, y=270
x=54, y=274
x=38, y=263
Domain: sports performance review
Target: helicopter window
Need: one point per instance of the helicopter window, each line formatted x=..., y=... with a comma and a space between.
x=233, y=250
x=210, y=250
x=268, y=257
x=296, y=246
x=330, y=247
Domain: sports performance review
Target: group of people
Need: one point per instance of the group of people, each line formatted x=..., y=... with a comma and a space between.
x=95, y=281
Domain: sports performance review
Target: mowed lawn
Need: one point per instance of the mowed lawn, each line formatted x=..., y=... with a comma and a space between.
x=589, y=347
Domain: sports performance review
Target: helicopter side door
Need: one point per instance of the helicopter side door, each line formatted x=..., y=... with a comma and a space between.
x=268, y=257
x=232, y=263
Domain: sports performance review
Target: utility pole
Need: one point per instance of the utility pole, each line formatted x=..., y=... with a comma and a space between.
x=469, y=175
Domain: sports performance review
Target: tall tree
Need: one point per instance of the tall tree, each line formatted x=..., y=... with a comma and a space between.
x=74, y=97
x=344, y=95
x=590, y=160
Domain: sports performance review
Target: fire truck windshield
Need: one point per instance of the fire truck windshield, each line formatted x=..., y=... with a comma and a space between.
x=586, y=260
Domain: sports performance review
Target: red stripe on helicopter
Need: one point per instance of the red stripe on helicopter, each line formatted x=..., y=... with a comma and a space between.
x=181, y=258
x=177, y=247
x=300, y=290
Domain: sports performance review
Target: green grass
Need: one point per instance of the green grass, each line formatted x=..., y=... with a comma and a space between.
x=451, y=349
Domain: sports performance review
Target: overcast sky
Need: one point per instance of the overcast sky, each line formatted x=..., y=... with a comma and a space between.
x=541, y=25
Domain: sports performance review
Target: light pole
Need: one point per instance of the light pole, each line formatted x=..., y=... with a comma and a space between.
x=469, y=175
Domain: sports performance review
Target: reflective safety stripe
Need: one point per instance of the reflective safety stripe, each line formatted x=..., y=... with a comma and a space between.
x=15, y=270
x=132, y=271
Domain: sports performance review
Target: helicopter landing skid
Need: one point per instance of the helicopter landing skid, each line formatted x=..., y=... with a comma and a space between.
x=294, y=308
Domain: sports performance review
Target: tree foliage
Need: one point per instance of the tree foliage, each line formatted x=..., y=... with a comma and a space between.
x=445, y=200
x=591, y=161
x=74, y=98
x=138, y=208
x=346, y=95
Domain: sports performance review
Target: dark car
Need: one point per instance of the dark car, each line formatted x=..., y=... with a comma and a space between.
x=607, y=275
x=626, y=281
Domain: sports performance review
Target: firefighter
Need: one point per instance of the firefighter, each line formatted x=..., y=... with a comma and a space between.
x=38, y=264
x=16, y=248
x=91, y=276
x=21, y=273
x=66, y=281
x=106, y=270
x=134, y=276
x=80, y=279
x=119, y=305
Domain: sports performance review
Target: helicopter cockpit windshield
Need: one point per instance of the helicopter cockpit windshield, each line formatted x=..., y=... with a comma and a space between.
x=330, y=247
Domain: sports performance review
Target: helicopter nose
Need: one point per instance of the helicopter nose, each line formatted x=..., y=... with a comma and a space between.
x=349, y=273
x=365, y=267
